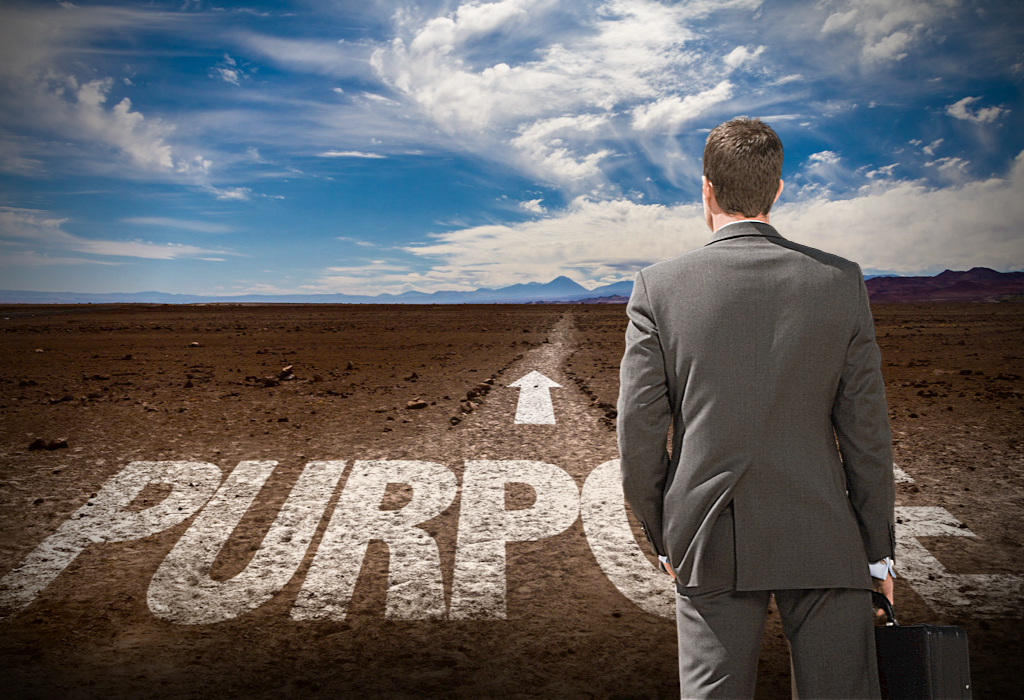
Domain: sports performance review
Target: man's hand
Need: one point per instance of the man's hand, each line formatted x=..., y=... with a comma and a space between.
x=885, y=588
x=667, y=569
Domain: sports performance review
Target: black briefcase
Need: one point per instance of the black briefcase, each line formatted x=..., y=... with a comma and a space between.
x=921, y=662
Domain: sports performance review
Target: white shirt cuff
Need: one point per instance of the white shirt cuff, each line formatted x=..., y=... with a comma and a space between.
x=880, y=569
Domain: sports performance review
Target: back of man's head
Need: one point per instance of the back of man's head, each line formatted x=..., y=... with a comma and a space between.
x=743, y=163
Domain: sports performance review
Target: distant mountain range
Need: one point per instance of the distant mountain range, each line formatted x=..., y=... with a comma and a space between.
x=560, y=289
x=977, y=284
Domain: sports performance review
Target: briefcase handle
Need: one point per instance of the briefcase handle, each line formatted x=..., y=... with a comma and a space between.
x=881, y=602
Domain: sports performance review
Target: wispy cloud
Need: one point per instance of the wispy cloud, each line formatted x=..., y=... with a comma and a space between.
x=349, y=154
x=32, y=259
x=37, y=228
x=183, y=224
x=227, y=70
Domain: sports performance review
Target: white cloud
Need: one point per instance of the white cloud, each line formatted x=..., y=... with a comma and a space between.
x=885, y=171
x=903, y=226
x=824, y=157
x=930, y=148
x=533, y=206
x=821, y=173
x=37, y=47
x=908, y=227
x=887, y=28
x=889, y=48
x=120, y=127
x=591, y=241
x=953, y=169
x=544, y=147
x=231, y=193
x=740, y=55
x=349, y=154
x=228, y=75
x=37, y=229
x=961, y=110
x=668, y=114
x=627, y=67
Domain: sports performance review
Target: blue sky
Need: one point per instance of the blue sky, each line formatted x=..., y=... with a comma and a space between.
x=380, y=146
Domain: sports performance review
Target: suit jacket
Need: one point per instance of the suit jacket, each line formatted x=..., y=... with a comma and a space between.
x=760, y=355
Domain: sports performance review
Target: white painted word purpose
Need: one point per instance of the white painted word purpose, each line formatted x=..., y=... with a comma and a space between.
x=182, y=590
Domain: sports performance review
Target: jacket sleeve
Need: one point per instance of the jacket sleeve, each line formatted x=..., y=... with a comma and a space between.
x=861, y=422
x=644, y=416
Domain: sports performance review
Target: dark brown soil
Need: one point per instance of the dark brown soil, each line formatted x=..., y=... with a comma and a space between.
x=124, y=383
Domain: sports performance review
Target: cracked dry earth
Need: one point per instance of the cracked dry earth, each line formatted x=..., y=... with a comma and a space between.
x=372, y=523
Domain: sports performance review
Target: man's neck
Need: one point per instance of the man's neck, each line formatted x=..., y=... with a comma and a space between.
x=718, y=220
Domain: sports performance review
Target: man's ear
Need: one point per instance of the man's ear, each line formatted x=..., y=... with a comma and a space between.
x=779, y=193
x=707, y=189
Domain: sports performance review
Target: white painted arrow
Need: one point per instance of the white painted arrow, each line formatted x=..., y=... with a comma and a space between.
x=534, y=407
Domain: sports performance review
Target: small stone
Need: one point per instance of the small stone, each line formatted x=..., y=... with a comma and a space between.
x=58, y=444
x=350, y=366
x=37, y=444
x=188, y=384
x=270, y=381
x=194, y=344
x=455, y=420
x=416, y=404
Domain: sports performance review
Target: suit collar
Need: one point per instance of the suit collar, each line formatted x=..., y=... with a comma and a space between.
x=743, y=228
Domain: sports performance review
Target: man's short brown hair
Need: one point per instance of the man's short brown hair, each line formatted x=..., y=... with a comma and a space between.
x=743, y=162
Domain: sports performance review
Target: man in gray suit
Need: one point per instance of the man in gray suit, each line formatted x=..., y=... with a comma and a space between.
x=760, y=355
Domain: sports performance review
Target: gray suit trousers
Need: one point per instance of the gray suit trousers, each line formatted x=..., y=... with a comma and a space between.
x=830, y=632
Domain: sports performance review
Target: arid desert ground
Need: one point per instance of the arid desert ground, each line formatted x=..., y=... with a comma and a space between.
x=337, y=501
